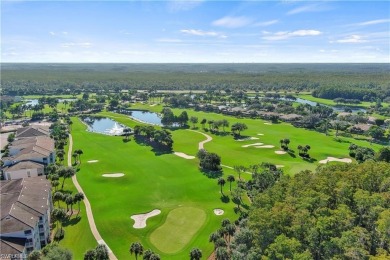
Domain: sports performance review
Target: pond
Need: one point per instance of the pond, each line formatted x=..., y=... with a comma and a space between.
x=145, y=117
x=335, y=108
x=103, y=125
x=34, y=102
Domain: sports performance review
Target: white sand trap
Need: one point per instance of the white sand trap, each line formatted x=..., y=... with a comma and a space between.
x=183, y=155
x=92, y=161
x=153, y=105
x=279, y=166
x=265, y=146
x=268, y=123
x=246, y=139
x=247, y=145
x=260, y=134
x=280, y=152
x=333, y=159
x=218, y=212
x=140, y=219
x=113, y=175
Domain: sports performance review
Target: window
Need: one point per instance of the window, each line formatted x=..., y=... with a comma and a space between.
x=28, y=174
x=27, y=232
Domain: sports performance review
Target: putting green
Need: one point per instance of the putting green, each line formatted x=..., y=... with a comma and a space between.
x=179, y=228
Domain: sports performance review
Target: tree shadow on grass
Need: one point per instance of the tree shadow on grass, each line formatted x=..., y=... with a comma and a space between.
x=72, y=221
x=158, y=149
x=291, y=153
x=310, y=160
x=212, y=174
x=225, y=199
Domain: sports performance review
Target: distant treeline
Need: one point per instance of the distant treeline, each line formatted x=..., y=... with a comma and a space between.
x=22, y=79
x=370, y=92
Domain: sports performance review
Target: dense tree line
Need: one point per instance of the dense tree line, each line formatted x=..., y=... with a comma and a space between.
x=337, y=212
x=351, y=94
x=23, y=79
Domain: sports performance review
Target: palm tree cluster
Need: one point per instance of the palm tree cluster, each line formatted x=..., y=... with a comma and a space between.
x=303, y=151
x=284, y=144
x=161, y=137
x=76, y=156
x=222, y=239
x=214, y=125
x=137, y=249
x=99, y=253
x=237, y=128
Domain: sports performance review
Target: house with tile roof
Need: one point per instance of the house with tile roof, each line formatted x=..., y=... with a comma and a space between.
x=25, y=215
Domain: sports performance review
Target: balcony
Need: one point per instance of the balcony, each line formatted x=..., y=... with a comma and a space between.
x=29, y=244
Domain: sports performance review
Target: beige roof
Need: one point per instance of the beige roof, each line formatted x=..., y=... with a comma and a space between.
x=12, y=245
x=23, y=201
x=23, y=165
x=32, y=131
x=44, y=142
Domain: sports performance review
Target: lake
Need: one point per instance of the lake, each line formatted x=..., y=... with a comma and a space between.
x=103, y=125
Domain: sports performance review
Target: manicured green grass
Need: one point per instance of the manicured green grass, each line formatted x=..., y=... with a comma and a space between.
x=168, y=182
x=78, y=236
x=233, y=153
x=178, y=229
x=151, y=181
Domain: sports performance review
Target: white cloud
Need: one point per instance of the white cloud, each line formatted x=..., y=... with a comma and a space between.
x=202, y=33
x=309, y=8
x=58, y=33
x=75, y=44
x=351, y=39
x=232, y=22
x=372, y=22
x=182, y=5
x=266, y=23
x=286, y=35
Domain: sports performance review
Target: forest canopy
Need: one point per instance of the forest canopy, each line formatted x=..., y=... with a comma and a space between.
x=337, y=212
x=22, y=79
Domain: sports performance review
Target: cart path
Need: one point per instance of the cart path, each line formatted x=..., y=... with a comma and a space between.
x=201, y=144
x=88, y=208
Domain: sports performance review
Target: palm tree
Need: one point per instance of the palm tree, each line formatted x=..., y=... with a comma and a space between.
x=230, y=179
x=90, y=255
x=137, y=249
x=74, y=155
x=78, y=198
x=127, y=131
x=66, y=172
x=79, y=153
x=68, y=199
x=147, y=254
x=58, y=215
x=58, y=196
x=195, y=254
x=221, y=181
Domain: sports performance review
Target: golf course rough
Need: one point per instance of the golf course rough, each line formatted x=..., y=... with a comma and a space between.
x=178, y=229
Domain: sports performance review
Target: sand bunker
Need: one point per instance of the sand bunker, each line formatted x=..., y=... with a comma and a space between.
x=113, y=175
x=247, y=145
x=246, y=139
x=140, y=219
x=218, y=212
x=333, y=159
x=92, y=161
x=268, y=123
x=183, y=155
x=280, y=152
x=260, y=134
x=153, y=105
x=265, y=146
x=279, y=166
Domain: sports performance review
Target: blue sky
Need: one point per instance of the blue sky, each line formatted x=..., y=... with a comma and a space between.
x=198, y=31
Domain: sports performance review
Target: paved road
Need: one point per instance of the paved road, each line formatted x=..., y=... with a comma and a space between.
x=88, y=208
